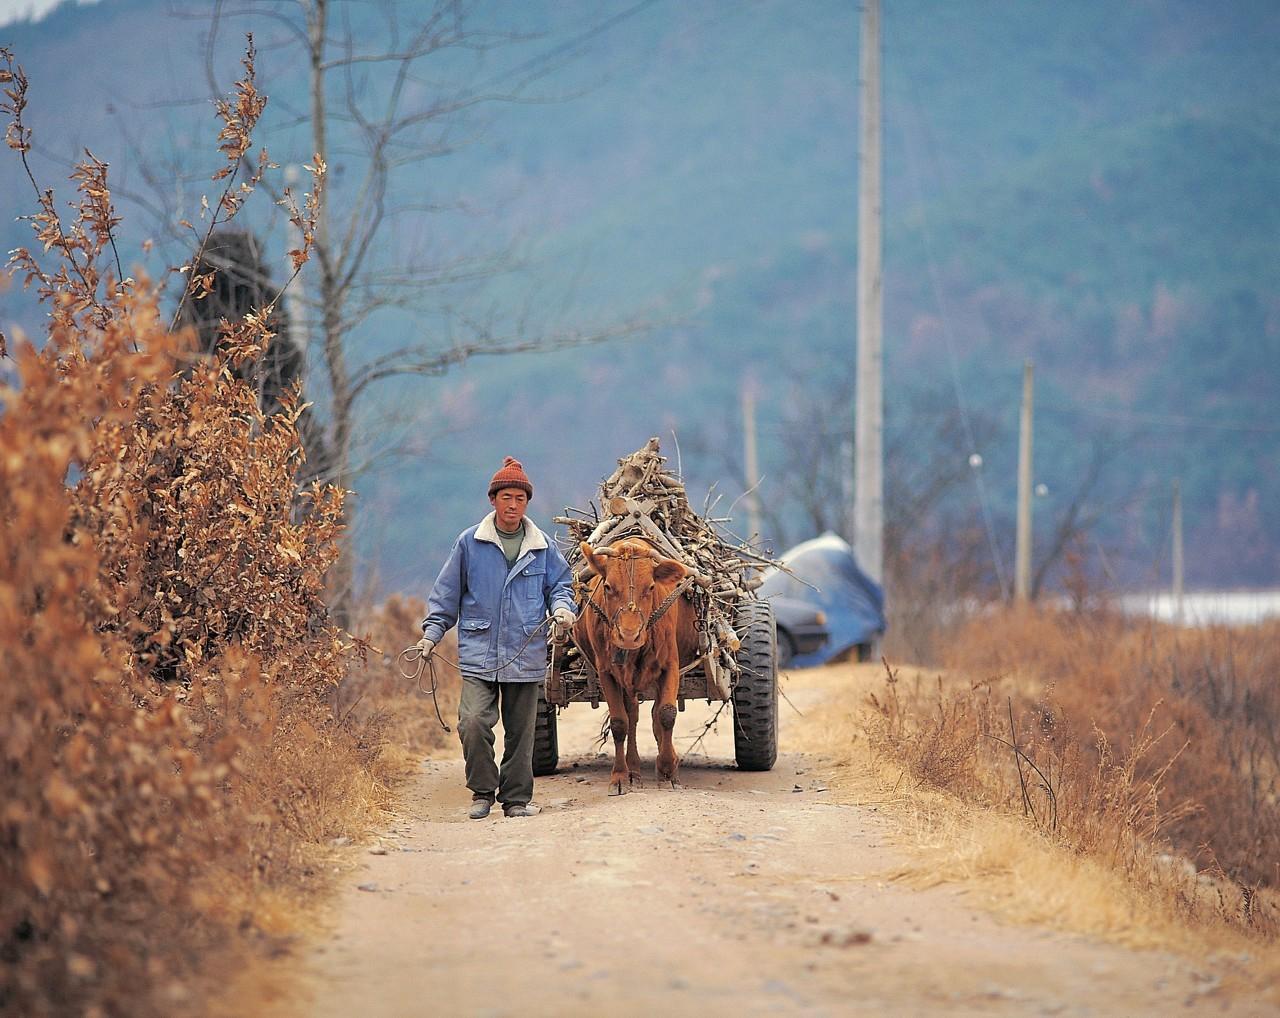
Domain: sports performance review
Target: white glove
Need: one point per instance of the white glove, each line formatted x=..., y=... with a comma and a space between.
x=425, y=647
x=563, y=617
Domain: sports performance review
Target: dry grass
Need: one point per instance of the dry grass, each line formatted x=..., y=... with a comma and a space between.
x=1196, y=713
x=1140, y=753
x=1007, y=863
x=376, y=689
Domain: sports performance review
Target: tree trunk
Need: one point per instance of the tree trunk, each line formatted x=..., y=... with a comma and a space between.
x=332, y=299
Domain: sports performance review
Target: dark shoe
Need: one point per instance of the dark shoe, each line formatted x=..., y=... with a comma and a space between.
x=521, y=810
x=480, y=808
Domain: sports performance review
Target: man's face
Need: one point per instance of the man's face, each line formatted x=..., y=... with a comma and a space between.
x=510, y=504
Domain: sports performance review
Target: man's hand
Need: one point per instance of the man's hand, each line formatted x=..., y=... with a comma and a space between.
x=425, y=647
x=563, y=618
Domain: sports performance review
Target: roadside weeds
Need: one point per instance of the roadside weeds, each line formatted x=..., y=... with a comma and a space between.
x=1000, y=861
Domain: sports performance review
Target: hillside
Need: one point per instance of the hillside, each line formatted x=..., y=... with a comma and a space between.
x=1090, y=187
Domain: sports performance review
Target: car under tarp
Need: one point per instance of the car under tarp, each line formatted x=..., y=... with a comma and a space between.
x=827, y=576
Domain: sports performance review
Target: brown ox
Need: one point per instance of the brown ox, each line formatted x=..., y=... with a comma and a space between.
x=637, y=634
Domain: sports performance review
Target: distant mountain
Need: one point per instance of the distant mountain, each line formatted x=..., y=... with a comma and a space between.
x=1089, y=184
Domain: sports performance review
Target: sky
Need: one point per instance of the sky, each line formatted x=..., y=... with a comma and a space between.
x=18, y=10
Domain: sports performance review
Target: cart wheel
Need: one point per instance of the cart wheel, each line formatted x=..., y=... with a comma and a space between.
x=755, y=695
x=546, y=744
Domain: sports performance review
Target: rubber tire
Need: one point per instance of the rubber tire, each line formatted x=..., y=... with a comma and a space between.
x=755, y=695
x=786, y=650
x=546, y=742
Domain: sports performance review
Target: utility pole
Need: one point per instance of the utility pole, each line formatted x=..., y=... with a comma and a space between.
x=868, y=491
x=751, y=457
x=1177, y=550
x=846, y=524
x=1022, y=569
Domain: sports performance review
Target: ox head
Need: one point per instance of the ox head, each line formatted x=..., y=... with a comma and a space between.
x=628, y=593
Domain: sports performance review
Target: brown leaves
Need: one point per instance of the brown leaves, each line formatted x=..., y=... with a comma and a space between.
x=61, y=797
x=304, y=219
x=17, y=136
x=245, y=340
x=162, y=614
x=202, y=285
x=76, y=279
x=239, y=115
x=97, y=215
x=39, y=870
x=176, y=563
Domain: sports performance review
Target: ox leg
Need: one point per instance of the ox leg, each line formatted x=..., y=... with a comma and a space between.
x=633, y=750
x=615, y=698
x=664, y=723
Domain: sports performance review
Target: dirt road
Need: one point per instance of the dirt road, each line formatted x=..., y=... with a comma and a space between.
x=738, y=894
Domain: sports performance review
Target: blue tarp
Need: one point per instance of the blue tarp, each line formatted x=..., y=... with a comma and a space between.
x=852, y=601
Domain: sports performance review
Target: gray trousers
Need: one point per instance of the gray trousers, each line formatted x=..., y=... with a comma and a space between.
x=478, y=711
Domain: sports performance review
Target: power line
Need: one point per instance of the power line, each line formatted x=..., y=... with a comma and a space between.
x=975, y=458
x=1168, y=420
x=543, y=59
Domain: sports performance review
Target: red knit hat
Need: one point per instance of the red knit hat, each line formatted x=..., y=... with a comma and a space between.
x=511, y=475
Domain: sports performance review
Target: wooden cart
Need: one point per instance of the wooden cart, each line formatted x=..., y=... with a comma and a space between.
x=737, y=654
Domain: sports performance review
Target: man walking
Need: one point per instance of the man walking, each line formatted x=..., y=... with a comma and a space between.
x=502, y=578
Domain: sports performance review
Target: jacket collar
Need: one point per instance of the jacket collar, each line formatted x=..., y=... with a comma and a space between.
x=534, y=539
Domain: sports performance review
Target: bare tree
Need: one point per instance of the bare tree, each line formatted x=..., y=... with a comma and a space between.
x=816, y=430
x=386, y=103
x=807, y=460
x=1081, y=514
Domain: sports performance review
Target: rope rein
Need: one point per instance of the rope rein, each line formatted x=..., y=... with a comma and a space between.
x=412, y=654
x=670, y=599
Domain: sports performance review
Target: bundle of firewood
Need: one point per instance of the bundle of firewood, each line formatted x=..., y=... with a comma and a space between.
x=642, y=498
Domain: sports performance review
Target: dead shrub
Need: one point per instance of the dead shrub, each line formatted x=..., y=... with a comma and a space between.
x=1213, y=691
x=1134, y=743
x=937, y=737
x=168, y=658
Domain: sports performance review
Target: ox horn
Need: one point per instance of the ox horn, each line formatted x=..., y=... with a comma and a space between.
x=592, y=556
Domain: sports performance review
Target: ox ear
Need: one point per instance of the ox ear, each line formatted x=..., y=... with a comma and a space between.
x=666, y=569
x=595, y=560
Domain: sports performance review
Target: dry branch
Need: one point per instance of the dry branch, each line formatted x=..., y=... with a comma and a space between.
x=642, y=498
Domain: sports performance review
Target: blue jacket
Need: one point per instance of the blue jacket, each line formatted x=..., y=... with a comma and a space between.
x=496, y=608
